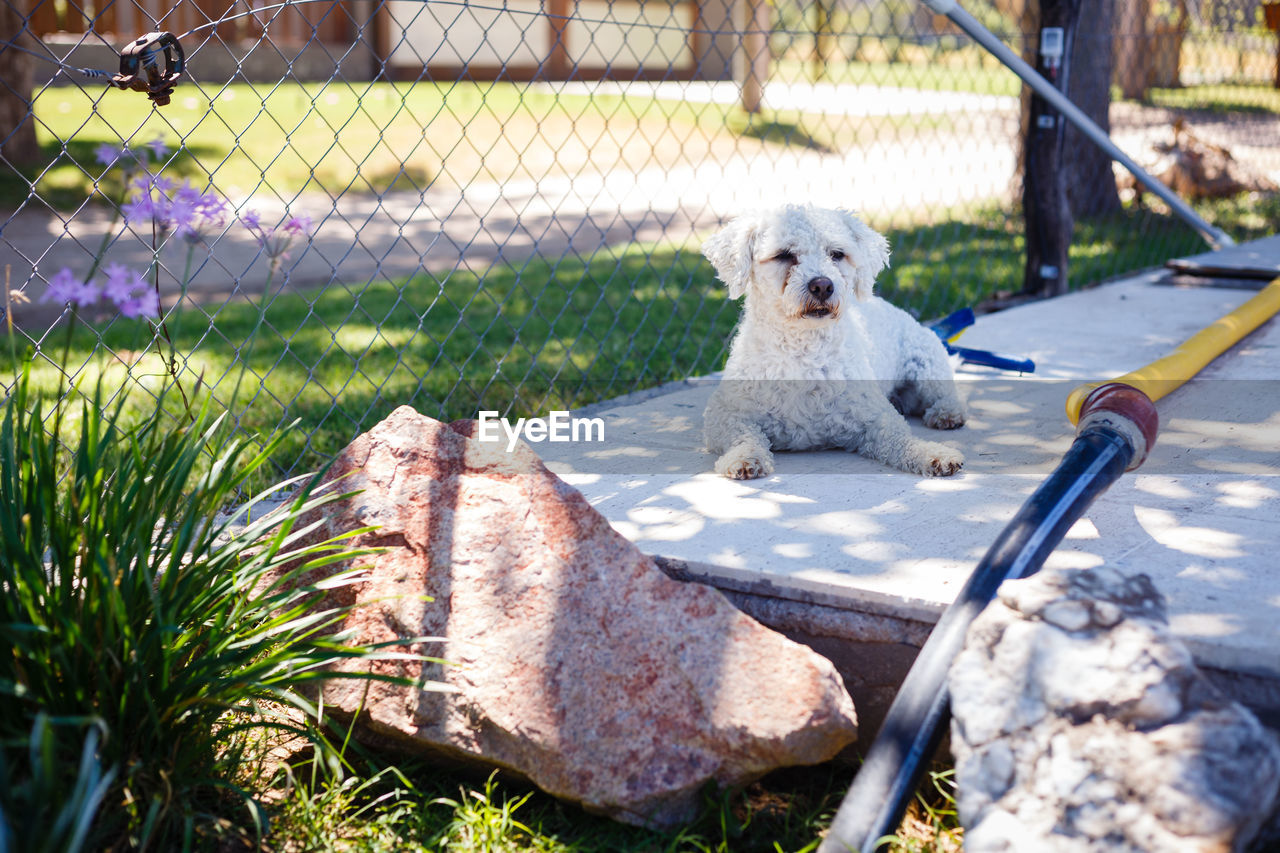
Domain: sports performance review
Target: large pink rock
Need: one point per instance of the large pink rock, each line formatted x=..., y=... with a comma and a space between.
x=576, y=662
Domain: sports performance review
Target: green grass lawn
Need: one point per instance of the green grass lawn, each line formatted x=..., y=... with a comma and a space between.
x=416, y=807
x=359, y=136
x=517, y=339
x=557, y=334
x=373, y=137
x=1219, y=99
x=339, y=137
x=425, y=810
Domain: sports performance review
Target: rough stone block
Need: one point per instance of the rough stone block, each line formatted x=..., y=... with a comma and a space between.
x=1080, y=723
x=572, y=659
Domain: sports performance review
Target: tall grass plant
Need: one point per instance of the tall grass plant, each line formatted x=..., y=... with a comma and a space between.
x=149, y=638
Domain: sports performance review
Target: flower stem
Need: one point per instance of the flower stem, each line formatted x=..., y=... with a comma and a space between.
x=162, y=327
x=247, y=353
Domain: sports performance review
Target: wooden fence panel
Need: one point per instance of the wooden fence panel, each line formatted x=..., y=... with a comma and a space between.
x=328, y=22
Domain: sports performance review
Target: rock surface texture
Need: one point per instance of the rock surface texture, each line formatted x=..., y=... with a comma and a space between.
x=1081, y=723
x=573, y=659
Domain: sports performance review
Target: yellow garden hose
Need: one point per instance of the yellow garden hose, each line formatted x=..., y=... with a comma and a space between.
x=1166, y=374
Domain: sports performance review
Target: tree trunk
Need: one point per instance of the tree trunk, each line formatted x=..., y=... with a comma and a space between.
x=823, y=38
x=1091, y=183
x=1085, y=170
x=1045, y=207
x=755, y=44
x=17, y=75
x=1134, y=55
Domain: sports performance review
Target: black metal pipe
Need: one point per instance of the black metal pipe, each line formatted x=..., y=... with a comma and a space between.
x=915, y=723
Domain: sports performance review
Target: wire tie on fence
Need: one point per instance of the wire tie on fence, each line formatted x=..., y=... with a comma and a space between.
x=142, y=71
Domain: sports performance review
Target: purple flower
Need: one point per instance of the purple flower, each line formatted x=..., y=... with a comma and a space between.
x=117, y=156
x=298, y=225
x=275, y=242
x=86, y=294
x=122, y=283
x=64, y=287
x=145, y=304
x=124, y=287
x=139, y=208
x=186, y=211
x=158, y=149
x=192, y=212
x=182, y=217
x=107, y=154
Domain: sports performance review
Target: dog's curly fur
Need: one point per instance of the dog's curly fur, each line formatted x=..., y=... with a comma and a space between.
x=819, y=361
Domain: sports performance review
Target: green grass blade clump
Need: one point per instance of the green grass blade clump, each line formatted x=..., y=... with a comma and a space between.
x=46, y=816
x=126, y=612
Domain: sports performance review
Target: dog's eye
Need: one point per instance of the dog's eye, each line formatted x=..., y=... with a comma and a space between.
x=837, y=255
x=785, y=257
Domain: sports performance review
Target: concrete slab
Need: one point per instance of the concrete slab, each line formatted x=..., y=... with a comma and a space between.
x=841, y=533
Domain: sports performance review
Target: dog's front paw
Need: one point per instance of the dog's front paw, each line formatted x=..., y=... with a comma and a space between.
x=944, y=416
x=745, y=463
x=936, y=460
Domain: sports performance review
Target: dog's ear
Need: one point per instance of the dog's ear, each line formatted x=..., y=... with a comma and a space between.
x=872, y=255
x=731, y=251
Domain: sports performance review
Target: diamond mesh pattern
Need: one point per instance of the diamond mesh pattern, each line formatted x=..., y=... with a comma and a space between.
x=507, y=199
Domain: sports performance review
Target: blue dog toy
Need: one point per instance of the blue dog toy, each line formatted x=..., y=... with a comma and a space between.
x=953, y=325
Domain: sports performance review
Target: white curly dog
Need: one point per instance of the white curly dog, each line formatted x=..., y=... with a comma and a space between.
x=818, y=361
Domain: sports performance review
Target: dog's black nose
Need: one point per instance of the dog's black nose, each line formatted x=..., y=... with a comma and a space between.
x=821, y=288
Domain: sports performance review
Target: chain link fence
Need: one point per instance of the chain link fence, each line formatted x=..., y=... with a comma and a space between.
x=499, y=206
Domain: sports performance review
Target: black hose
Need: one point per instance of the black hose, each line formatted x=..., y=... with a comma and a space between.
x=915, y=723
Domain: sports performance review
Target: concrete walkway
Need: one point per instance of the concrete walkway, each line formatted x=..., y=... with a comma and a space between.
x=1202, y=516
x=849, y=99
